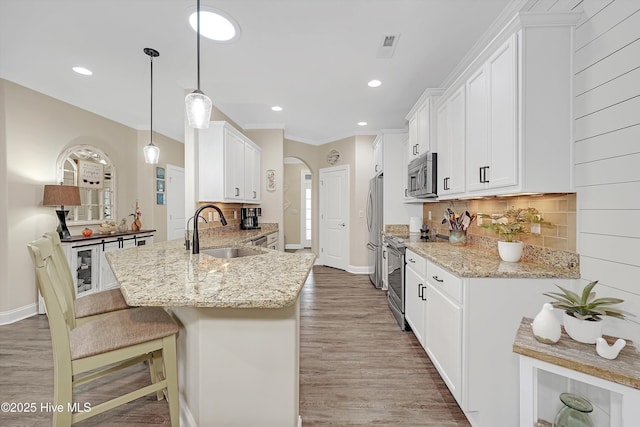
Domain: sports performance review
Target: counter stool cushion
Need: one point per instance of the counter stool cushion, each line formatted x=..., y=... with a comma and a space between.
x=120, y=329
x=99, y=303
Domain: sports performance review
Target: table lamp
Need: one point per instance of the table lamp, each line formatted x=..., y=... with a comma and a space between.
x=61, y=195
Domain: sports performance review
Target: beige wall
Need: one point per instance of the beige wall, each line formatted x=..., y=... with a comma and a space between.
x=5, y=303
x=355, y=151
x=37, y=128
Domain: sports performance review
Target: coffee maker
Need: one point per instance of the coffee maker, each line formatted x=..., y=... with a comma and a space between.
x=249, y=218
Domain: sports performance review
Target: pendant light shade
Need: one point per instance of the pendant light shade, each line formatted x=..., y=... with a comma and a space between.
x=198, y=109
x=151, y=151
x=198, y=105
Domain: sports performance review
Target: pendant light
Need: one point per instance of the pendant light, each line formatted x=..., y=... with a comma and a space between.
x=198, y=104
x=151, y=151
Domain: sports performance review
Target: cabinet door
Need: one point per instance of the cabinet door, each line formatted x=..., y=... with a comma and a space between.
x=414, y=144
x=413, y=305
x=107, y=278
x=252, y=173
x=477, y=121
x=424, y=129
x=443, y=333
x=451, y=144
x=233, y=166
x=503, y=138
x=85, y=262
x=405, y=170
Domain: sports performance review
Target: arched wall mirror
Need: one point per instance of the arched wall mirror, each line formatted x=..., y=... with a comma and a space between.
x=90, y=169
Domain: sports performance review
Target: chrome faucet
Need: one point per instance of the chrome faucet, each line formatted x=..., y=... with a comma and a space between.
x=187, y=239
x=195, y=245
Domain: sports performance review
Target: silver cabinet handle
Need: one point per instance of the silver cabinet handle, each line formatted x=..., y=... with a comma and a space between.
x=237, y=191
x=342, y=224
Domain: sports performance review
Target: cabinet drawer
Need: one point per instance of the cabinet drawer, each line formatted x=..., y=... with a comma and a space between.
x=416, y=262
x=444, y=281
x=272, y=238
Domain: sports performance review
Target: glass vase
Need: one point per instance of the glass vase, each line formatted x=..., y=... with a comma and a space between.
x=575, y=412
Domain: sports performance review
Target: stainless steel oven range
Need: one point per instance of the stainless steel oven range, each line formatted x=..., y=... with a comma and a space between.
x=395, y=278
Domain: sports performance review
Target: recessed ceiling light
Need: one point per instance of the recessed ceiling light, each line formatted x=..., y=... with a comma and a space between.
x=374, y=83
x=215, y=25
x=83, y=71
x=362, y=123
x=276, y=108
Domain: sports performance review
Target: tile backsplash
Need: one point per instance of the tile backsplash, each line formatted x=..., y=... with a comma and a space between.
x=557, y=209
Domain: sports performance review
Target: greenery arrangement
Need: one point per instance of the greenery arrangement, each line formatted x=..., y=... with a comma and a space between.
x=586, y=306
x=513, y=222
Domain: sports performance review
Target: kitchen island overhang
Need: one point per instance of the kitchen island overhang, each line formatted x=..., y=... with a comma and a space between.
x=238, y=346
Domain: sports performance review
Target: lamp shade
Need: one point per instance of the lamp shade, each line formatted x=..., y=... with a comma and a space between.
x=198, y=107
x=61, y=195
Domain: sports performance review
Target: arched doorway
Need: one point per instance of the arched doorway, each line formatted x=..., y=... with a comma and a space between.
x=298, y=205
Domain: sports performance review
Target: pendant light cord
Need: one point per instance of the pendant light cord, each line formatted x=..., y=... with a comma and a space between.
x=151, y=129
x=198, y=25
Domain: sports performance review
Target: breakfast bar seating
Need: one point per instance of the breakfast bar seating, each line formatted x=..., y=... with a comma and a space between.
x=101, y=346
x=89, y=306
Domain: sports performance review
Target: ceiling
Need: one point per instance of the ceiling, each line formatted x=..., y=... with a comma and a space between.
x=312, y=57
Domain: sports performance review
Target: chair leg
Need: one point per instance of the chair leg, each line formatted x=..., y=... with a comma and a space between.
x=155, y=370
x=171, y=375
x=62, y=394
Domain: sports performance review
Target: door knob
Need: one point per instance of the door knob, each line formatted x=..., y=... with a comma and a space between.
x=342, y=224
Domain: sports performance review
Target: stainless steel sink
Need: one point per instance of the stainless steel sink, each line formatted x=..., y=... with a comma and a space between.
x=231, y=252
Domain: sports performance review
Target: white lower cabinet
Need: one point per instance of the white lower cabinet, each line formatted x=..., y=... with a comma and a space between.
x=414, y=304
x=467, y=327
x=443, y=337
x=272, y=241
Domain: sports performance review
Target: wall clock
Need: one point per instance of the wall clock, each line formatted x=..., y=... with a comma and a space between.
x=333, y=157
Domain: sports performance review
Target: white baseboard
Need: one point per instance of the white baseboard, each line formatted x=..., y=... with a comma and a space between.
x=186, y=419
x=11, y=316
x=358, y=269
x=293, y=246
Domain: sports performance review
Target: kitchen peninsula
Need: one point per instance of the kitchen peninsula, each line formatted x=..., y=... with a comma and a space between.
x=238, y=346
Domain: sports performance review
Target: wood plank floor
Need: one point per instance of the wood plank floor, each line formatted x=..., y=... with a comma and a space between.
x=357, y=367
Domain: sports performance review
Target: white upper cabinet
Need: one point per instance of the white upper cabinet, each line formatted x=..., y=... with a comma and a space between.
x=422, y=135
x=378, y=152
x=492, y=148
x=228, y=165
x=451, y=144
x=516, y=121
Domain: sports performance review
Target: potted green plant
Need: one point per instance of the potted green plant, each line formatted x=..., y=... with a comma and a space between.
x=508, y=225
x=582, y=317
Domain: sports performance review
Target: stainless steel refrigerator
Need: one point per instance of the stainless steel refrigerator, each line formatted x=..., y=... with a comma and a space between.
x=374, y=224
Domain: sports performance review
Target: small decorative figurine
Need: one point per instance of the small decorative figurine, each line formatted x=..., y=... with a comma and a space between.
x=87, y=232
x=603, y=349
x=123, y=225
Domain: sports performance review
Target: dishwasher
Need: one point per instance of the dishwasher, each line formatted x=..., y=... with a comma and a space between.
x=260, y=241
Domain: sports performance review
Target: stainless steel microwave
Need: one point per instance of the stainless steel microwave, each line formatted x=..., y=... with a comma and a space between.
x=423, y=176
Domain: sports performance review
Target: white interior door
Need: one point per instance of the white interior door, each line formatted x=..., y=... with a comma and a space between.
x=175, y=202
x=305, y=208
x=334, y=216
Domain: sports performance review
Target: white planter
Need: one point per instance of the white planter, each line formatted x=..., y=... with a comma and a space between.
x=586, y=331
x=510, y=251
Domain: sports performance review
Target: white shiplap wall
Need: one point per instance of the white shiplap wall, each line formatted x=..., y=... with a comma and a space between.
x=607, y=149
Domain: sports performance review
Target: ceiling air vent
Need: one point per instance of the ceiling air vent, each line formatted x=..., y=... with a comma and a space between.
x=388, y=46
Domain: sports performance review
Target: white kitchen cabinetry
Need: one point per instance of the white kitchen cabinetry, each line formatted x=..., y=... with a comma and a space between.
x=422, y=135
x=272, y=241
x=378, y=153
x=518, y=120
x=468, y=329
x=443, y=326
x=415, y=283
x=451, y=144
x=87, y=260
x=229, y=165
x=252, y=160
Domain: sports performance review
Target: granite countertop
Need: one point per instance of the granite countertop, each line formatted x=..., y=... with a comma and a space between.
x=475, y=261
x=165, y=274
x=580, y=357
